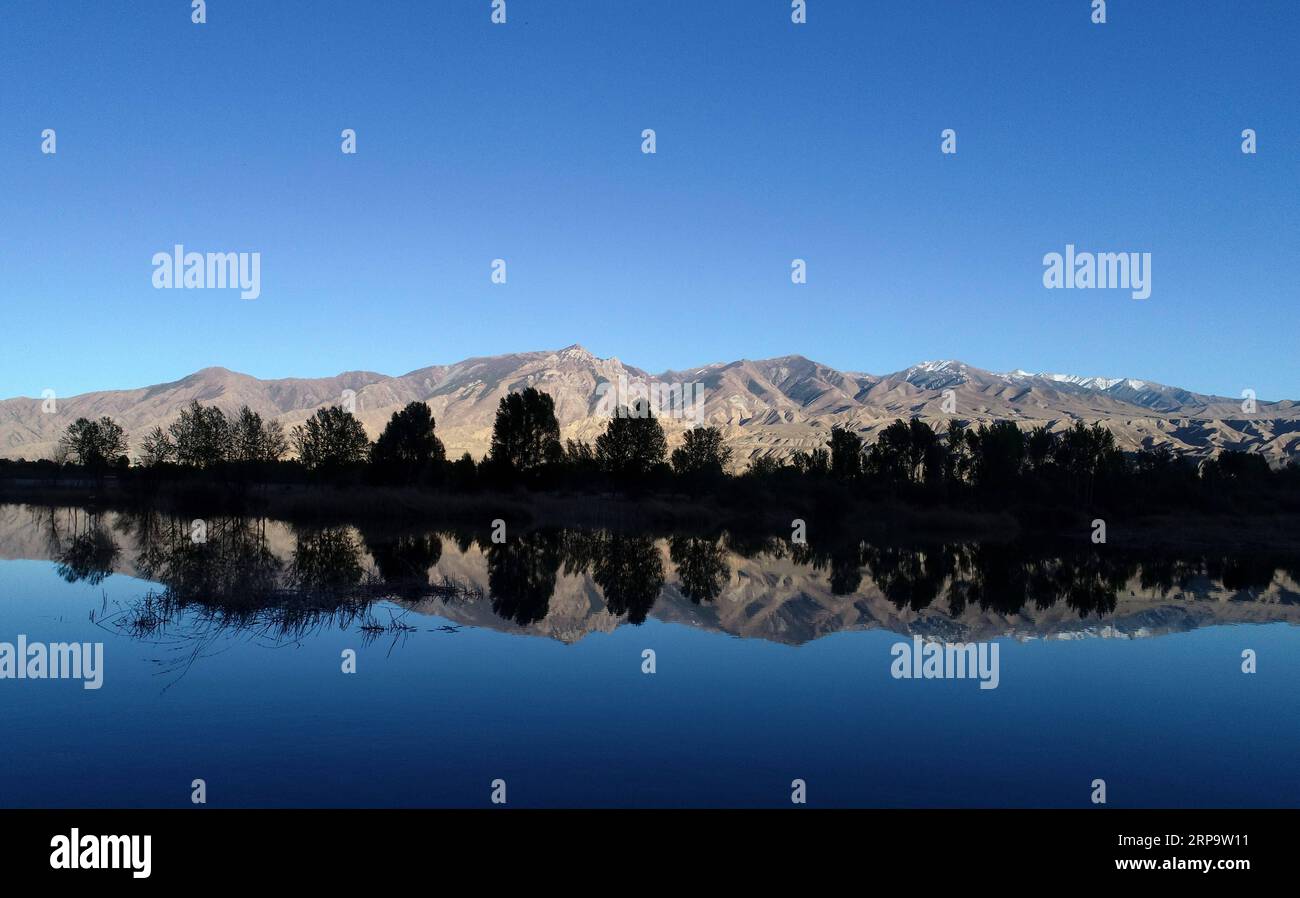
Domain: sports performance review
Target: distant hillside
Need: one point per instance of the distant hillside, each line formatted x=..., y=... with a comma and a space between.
x=767, y=407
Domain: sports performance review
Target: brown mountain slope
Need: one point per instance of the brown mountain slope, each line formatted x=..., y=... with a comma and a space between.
x=770, y=406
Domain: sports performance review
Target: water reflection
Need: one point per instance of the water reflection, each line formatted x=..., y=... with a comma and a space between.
x=403, y=560
x=276, y=581
x=701, y=567
x=325, y=562
x=521, y=575
x=89, y=555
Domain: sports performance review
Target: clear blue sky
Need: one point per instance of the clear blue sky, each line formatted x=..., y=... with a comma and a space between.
x=775, y=141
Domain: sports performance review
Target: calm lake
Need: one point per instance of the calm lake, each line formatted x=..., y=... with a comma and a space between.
x=359, y=666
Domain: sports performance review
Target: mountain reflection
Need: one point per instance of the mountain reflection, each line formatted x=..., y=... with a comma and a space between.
x=278, y=581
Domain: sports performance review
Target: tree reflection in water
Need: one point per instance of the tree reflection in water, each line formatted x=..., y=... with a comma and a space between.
x=521, y=575
x=232, y=581
x=702, y=568
x=89, y=554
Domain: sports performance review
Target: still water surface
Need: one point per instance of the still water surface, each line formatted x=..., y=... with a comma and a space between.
x=525, y=662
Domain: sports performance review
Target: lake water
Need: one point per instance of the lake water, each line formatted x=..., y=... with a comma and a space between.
x=224, y=649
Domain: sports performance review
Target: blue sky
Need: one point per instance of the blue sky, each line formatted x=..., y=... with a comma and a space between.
x=775, y=141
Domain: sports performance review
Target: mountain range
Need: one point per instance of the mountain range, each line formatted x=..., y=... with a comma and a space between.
x=766, y=407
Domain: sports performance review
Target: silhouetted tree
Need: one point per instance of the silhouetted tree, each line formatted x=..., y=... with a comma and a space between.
x=580, y=458
x=253, y=441
x=93, y=444
x=1087, y=453
x=1242, y=467
x=815, y=463
x=957, y=457
x=890, y=456
x=702, y=454
x=464, y=473
x=202, y=436
x=764, y=466
x=846, y=453
x=157, y=448
x=526, y=433
x=908, y=452
x=921, y=455
x=633, y=443
x=408, y=449
x=1155, y=459
x=331, y=440
x=1040, y=448
x=999, y=454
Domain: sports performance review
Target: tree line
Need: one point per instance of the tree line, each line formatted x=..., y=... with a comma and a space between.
x=1082, y=463
x=325, y=578
x=332, y=443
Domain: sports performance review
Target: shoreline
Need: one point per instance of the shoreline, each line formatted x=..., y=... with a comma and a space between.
x=886, y=521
